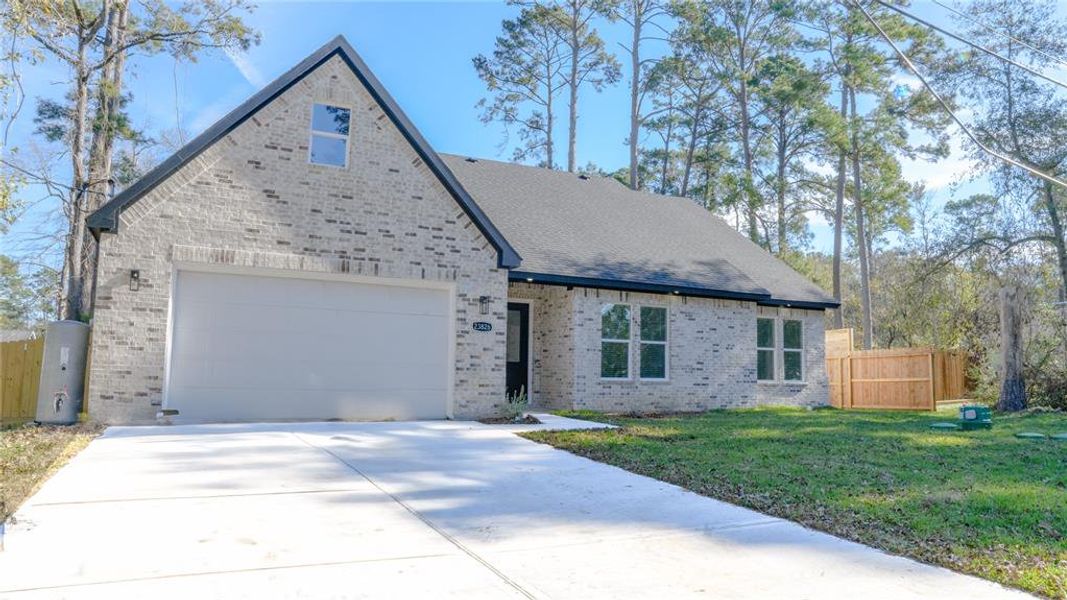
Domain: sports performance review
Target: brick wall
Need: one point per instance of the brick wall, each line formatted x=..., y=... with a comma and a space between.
x=252, y=199
x=552, y=329
x=712, y=349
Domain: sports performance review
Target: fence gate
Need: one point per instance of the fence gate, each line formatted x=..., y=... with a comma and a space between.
x=900, y=378
x=20, y=376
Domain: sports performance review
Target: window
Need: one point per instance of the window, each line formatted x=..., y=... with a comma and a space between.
x=765, y=347
x=653, y=342
x=792, y=350
x=615, y=341
x=329, y=135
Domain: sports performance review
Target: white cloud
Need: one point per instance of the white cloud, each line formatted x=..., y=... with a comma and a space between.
x=945, y=171
x=248, y=70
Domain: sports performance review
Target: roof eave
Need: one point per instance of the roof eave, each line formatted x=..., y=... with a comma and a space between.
x=633, y=286
x=106, y=218
x=656, y=288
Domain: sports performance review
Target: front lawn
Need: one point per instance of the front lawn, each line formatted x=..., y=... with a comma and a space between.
x=979, y=502
x=29, y=454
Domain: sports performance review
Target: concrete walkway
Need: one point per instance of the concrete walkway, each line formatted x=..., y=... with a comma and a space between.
x=411, y=510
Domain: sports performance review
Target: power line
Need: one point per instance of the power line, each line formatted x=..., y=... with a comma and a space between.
x=958, y=38
x=911, y=66
x=991, y=29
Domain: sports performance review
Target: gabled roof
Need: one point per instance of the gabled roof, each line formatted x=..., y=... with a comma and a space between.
x=595, y=232
x=106, y=218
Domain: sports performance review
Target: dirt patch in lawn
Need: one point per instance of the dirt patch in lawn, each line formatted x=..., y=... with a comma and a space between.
x=30, y=454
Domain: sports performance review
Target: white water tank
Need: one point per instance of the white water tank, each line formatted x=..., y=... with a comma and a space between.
x=59, y=400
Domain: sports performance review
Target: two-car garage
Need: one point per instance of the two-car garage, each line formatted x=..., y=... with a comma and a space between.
x=253, y=347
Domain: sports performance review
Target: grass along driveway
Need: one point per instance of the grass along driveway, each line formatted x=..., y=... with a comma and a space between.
x=979, y=502
x=30, y=454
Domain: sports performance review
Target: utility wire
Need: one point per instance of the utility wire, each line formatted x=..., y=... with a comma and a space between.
x=991, y=29
x=958, y=38
x=911, y=66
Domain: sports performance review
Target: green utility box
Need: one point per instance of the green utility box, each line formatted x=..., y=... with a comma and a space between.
x=976, y=416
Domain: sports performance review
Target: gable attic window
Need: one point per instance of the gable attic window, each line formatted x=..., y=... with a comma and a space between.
x=329, y=135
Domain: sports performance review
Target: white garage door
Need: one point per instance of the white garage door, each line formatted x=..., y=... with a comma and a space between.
x=248, y=348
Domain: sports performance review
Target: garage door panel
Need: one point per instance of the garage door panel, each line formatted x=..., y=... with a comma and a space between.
x=312, y=375
x=250, y=347
x=273, y=404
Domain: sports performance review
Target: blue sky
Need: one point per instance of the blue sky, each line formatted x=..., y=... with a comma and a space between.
x=422, y=53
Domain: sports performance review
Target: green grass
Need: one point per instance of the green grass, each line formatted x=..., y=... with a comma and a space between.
x=30, y=454
x=979, y=502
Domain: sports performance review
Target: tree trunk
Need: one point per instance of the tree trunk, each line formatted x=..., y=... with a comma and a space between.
x=746, y=147
x=635, y=93
x=572, y=131
x=690, y=152
x=839, y=218
x=861, y=230
x=550, y=119
x=73, y=273
x=1057, y=232
x=1012, y=385
x=780, y=189
x=101, y=148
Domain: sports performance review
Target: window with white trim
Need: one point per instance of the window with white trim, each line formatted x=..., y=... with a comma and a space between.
x=792, y=350
x=653, y=342
x=765, y=349
x=329, y=135
x=615, y=341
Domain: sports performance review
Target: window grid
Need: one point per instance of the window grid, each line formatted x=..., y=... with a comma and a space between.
x=657, y=343
x=792, y=350
x=325, y=134
x=765, y=351
x=606, y=342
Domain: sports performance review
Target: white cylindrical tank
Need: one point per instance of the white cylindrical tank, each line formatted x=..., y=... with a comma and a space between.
x=59, y=400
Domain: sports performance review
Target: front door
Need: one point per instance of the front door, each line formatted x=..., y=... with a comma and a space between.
x=518, y=352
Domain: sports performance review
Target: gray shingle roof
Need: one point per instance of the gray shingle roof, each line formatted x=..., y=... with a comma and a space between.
x=598, y=231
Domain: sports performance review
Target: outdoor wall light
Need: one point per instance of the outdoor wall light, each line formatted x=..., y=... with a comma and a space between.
x=135, y=280
x=483, y=304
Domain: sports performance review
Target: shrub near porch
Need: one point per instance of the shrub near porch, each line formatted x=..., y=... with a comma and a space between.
x=981, y=502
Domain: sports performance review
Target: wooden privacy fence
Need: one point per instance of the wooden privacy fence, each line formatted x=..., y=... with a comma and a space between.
x=20, y=376
x=902, y=378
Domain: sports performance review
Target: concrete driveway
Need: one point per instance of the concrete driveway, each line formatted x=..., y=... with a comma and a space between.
x=411, y=510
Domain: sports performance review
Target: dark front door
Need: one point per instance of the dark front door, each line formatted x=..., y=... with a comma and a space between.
x=518, y=352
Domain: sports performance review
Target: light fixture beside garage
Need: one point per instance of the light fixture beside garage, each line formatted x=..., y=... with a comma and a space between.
x=135, y=280
x=483, y=304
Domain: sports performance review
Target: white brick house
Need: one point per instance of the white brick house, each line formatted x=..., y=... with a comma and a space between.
x=311, y=257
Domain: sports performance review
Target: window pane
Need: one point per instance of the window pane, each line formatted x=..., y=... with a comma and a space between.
x=793, y=365
x=792, y=334
x=331, y=119
x=514, y=336
x=653, y=361
x=765, y=333
x=327, y=150
x=614, y=359
x=765, y=365
x=615, y=322
x=653, y=324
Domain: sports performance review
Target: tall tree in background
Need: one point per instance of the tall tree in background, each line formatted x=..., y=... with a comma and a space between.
x=865, y=67
x=588, y=63
x=1020, y=117
x=736, y=36
x=526, y=69
x=94, y=39
x=642, y=17
x=791, y=96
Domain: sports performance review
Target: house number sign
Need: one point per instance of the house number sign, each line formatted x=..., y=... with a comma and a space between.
x=483, y=326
